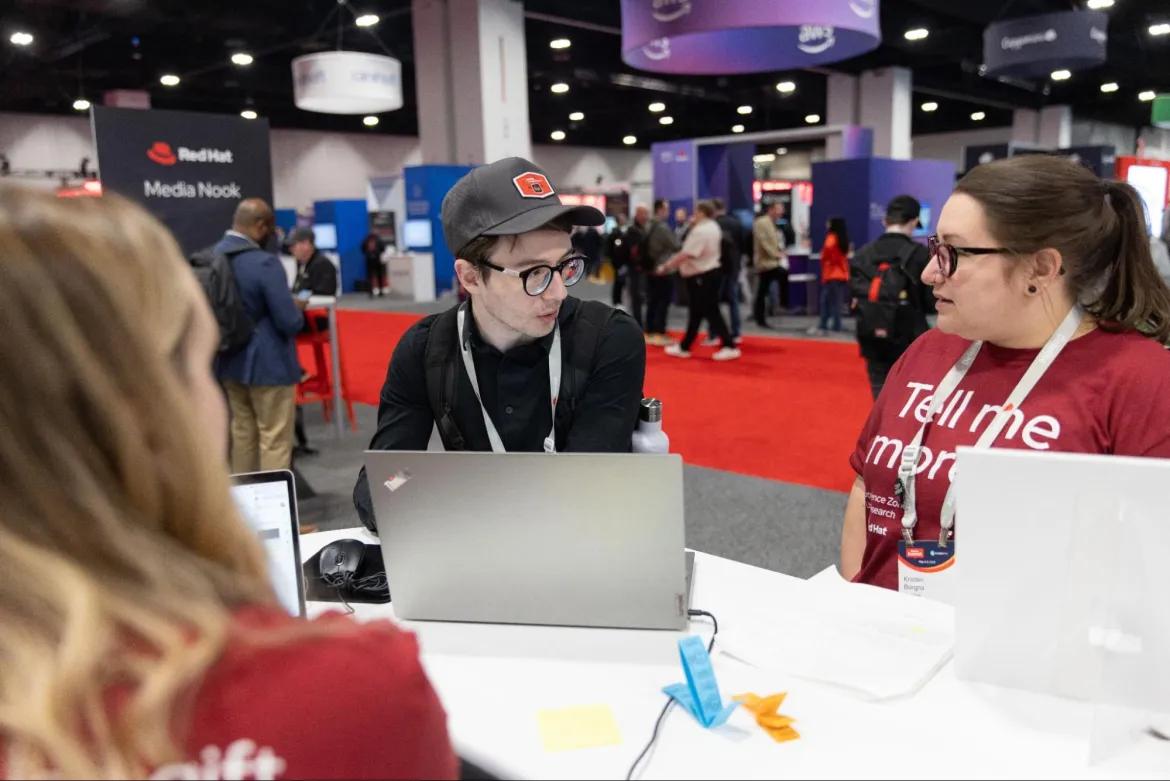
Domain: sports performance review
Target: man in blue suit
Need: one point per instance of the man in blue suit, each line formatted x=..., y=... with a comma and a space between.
x=260, y=378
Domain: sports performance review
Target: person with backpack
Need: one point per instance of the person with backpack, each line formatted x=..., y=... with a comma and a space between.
x=889, y=298
x=260, y=376
x=659, y=246
x=521, y=366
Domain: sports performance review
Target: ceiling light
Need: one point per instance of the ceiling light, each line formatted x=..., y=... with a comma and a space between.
x=1097, y=5
x=560, y=43
x=560, y=88
x=367, y=20
x=930, y=105
x=1160, y=29
x=629, y=140
x=978, y=116
x=744, y=110
x=812, y=119
x=242, y=58
x=656, y=107
x=21, y=38
x=577, y=116
x=782, y=150
x=786, y=86
x=917, y=34
x=666, y=120
x=370, y=121
x=737, y=128
x=768, y=158
x=1061, y=75
x=557, y=135
x=250, y=114
x=1110, y=87
x=169, y=80
x=81, y=104
x=1147, y=96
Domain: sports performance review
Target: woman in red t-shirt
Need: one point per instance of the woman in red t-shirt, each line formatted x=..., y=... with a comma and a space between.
x=834, y=273
x=140, y=635
x=1030, y=251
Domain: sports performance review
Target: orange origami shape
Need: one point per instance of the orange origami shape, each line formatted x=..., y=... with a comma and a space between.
x=768, y=716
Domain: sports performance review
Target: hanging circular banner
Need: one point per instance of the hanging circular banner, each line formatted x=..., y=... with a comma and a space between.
x=1035, y=46
x=746, y=36
x=347, y=83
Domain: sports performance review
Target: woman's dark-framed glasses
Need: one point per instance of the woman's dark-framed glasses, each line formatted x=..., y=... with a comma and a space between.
x=947, y=255
x=537, y=279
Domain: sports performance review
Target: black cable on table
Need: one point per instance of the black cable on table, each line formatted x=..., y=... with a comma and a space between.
x=670, y=701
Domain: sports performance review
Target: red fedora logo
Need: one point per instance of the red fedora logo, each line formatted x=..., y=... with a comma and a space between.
x=533, y=185
x=161, y=153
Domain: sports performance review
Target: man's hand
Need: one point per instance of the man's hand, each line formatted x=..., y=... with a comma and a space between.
x=302, y=303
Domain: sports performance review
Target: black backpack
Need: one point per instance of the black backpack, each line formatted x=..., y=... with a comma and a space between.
x=442, y=365
x=214, y=272
x=883, y=291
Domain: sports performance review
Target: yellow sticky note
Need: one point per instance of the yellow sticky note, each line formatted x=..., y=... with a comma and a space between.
x=570, y=729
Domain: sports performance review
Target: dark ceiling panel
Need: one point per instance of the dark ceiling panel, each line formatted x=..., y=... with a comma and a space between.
x=87, y=47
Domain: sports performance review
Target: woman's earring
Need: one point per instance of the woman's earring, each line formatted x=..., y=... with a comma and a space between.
x=1032, y=289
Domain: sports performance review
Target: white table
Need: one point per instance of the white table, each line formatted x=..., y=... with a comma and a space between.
x=493, y=680
x=330, y=303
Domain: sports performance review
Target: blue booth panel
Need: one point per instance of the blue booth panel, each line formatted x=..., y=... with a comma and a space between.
x=351, y=224
x=426, y=186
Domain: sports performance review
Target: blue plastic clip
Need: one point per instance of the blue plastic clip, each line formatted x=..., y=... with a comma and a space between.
x=700, y=695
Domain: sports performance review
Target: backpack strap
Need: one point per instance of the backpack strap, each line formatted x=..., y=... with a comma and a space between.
x=588, y=324
x=442, y=373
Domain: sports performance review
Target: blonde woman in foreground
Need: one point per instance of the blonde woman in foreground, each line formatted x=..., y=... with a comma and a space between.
x=139, y=636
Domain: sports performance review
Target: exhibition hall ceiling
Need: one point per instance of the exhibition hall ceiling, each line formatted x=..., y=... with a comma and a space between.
x=81, y=48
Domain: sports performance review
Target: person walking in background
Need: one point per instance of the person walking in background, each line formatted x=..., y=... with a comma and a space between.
x=591, y=247
x=316, y=276
x=656, y=249
x=730, y=261
x=617, y=252
x=770, y=261
x=834, y=275
x=890, y=299
x=636, y=268
x=682, y=224
x=260, y=378
x=372, y=249
x=698, y=264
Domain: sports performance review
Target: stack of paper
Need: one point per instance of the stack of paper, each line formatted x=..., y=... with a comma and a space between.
x=869, y=642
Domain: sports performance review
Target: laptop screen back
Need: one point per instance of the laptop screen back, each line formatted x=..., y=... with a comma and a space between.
x=267, y=501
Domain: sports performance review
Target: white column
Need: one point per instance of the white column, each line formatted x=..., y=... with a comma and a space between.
x=1025, y=124
x=1054, y=129
x=472, y=76
x=886, y=106
x=840, y=109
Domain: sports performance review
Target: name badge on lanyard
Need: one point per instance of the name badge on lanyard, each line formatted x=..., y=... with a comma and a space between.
x=554, y=383
x=926, y=568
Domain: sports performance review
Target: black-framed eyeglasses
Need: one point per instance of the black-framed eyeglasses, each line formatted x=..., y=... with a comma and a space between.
x=947, y=255
x=537, y=279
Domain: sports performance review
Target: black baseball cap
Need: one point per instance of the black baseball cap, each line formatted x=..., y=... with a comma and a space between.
x=506, y=198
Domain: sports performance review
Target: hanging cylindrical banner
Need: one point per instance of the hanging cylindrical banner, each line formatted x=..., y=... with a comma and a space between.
x=745, y=36
x=347, y=83
x=1036, y=46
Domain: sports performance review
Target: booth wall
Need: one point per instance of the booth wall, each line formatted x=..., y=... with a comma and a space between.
x=951, y=146
x=580, y=167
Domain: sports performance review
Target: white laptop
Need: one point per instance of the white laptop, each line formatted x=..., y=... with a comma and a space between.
x=528, y=538
x=268, y=502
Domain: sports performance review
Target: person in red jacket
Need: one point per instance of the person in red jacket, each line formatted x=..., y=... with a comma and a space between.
x=834, y=274
x=141, y=637
x=1035, y=256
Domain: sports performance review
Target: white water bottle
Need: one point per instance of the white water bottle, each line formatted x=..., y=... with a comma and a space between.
x=649, y=436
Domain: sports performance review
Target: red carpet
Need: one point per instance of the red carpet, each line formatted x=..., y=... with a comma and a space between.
x=790, y=409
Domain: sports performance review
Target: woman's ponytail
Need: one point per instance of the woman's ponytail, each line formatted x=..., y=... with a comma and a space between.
x=1134, y=294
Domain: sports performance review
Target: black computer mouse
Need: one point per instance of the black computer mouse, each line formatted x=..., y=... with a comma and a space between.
x=342, y=558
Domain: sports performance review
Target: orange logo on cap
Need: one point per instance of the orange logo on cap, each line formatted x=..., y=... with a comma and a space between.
x=533, y=185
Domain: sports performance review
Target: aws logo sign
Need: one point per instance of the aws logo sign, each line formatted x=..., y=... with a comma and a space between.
x=863, y=8
x=670, y=10
x=657, y=50
x=814, y=39
x=163, y=154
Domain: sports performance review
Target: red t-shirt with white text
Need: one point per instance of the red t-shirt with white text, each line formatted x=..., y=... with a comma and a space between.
x=350, y=705
x=1106, y=393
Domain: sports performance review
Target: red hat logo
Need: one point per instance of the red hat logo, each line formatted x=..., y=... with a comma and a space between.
x=533, y=185
x=161, y=153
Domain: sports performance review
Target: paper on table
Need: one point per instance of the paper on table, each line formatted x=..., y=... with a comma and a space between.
x=870, y=642
x=569, y=729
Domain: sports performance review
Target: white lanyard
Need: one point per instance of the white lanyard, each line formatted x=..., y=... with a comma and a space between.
x=907, y=468
x=554, y=384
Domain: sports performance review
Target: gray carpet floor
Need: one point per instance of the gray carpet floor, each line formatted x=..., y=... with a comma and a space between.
x=778, y=526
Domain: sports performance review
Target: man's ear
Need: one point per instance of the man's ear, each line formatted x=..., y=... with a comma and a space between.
x=467, y=274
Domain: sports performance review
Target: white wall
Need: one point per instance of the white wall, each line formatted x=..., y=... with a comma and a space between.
x=572, y=167
x=311, y=166
x=43, y=142
x=951, y=146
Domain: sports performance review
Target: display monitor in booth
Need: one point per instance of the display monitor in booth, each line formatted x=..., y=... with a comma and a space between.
x=744, y=215
x=923, y=228
x=610, y=225
x=1150, y=183
x=417, y=234
x=325, y=236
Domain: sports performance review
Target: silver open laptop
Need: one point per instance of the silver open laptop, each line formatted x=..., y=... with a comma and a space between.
x=529, y=538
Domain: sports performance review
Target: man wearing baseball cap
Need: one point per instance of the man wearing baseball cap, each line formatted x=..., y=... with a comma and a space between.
x=521, y=366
